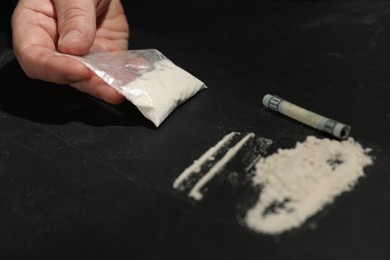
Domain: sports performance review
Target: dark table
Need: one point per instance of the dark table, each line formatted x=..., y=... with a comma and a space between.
x=82, y=179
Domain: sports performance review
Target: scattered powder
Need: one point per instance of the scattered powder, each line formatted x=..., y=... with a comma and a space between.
x=195, y=192
x=262, y=145
x=297, y=183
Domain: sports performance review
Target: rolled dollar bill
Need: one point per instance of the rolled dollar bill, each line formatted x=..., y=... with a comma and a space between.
x=337, y=129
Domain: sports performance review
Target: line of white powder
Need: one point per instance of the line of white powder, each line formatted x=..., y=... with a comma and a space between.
x=195, y=191
x=195, y=167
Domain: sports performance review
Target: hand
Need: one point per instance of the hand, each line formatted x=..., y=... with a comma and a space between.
x=42, y=28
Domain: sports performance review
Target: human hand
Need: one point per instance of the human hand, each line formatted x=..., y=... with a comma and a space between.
x=43, y=28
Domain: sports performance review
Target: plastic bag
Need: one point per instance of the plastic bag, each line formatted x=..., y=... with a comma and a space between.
x=148, y=79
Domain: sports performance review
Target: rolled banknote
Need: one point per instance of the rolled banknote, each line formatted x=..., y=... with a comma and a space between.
x=337, y=129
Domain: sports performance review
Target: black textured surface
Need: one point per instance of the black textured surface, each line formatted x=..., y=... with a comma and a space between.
x=81, y=179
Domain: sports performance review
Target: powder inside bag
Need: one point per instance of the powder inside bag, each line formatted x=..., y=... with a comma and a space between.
x=158, y=92
x=297, y=183
x=148, y=79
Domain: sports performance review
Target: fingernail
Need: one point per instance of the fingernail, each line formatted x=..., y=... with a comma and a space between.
x=69, y=36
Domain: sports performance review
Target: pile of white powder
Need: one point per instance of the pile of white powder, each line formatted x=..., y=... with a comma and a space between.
x=297, y=183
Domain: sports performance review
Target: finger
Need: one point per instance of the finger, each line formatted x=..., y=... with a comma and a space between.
x=76, y=25
x=26, y=31
x=33, y=45
x=44, y=64
x=98, y=88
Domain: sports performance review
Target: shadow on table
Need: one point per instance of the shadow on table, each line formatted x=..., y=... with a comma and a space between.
x=6, y=53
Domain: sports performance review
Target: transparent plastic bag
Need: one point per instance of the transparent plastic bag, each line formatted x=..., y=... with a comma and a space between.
x=148, y=79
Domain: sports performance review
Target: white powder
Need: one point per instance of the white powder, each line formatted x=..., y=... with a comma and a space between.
x=297, y=183
x=197, y=164
x=195, y=192
x=158, y=92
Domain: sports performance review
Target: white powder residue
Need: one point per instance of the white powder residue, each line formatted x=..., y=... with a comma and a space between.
x=262, y=145
x=297, y=183
x=197, y=164
x=158, y=92
x=195, y=192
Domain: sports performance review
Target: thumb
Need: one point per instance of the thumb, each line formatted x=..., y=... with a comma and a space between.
x=76, y=25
